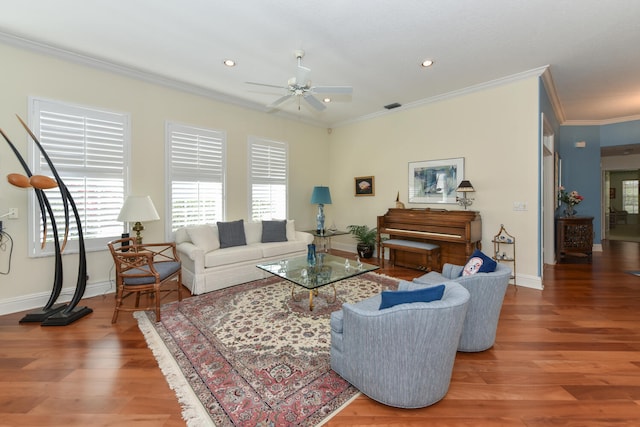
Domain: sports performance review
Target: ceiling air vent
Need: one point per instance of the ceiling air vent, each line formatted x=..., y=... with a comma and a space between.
x=392, y=106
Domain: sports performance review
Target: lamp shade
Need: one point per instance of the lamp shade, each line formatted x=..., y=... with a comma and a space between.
x=321, y=196
x=465, y=186
x=138, y=209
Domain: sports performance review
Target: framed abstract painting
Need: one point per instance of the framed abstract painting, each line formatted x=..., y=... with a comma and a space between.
x=435, y=181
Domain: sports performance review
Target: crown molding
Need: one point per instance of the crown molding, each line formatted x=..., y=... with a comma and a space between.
x=158, y=79
x=601, y=122
x=550, y=87
x=148, y=77
x=536, y=72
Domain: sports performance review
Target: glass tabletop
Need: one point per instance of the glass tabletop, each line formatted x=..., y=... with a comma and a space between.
x=329, y=269
x=327, y=233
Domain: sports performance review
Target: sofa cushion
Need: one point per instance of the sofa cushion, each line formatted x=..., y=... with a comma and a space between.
x=281, y=248
x=231, y=233
x=291, y=229
x=205, y=237
x=164, y=269
x=253, y=232
x=233, y=255
x=478, y=263
x=274, y=231
x=392, y=298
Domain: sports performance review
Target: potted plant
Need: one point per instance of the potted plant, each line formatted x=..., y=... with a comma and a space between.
x=366, y=238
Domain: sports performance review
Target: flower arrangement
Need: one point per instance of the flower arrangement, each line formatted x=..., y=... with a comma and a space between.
x=570, y=199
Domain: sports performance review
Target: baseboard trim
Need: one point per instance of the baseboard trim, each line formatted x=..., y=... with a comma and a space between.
x=33, y=301
x=523, y=280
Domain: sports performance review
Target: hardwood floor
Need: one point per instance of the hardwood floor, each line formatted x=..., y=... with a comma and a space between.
x=566, y=356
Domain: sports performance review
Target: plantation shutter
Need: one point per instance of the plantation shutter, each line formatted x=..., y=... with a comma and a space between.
x=196, y=168
x=89, y=150
x=268, y=179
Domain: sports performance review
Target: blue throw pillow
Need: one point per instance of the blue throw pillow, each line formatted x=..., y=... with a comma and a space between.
x=478, y=263
x=391, y=298
x=274, y=231
x=231, y=233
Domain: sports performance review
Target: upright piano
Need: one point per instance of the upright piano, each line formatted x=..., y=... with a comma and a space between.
x=458, y=233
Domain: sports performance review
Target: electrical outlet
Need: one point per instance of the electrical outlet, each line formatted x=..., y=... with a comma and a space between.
x=13, y=213
x=519, y=206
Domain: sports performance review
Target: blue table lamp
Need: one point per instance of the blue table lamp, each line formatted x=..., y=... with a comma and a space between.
x=320, y=196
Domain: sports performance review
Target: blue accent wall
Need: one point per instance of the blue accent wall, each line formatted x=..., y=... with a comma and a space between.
x=581, y=166
x=620, y=134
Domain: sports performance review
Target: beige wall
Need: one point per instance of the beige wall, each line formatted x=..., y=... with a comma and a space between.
x=495, y=130
x=29, y=74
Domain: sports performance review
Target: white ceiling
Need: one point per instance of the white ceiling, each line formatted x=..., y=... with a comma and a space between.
x=376, y=46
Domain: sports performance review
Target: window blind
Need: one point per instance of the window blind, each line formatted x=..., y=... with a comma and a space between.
x=196, y=170
x=89, y=150
x=268, y=170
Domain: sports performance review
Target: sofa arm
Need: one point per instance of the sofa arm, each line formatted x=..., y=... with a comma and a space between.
x=451, y=271
x=192, y=257
x=304, y=237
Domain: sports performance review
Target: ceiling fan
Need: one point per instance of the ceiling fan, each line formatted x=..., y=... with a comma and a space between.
x=300, y=86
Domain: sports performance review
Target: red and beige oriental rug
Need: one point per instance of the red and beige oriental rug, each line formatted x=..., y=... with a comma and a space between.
x=251, y=355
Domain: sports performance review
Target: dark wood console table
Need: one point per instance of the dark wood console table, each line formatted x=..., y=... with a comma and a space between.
x=574, y=238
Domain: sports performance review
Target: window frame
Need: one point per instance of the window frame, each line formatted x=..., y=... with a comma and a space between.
x=193, y=174
x=35, y=117
x=252, y=142
x=636, y=184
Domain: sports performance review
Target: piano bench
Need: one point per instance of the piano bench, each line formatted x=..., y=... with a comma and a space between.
x=412, y=254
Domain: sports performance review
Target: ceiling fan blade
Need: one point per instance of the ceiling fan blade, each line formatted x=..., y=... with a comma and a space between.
x=267, y=85
x=302, y=76
x=314, y=102
x=333, y=89
x=279, y=101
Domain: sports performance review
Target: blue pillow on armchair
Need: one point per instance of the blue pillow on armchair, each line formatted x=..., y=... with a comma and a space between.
x=391, y=298
x=478, y=263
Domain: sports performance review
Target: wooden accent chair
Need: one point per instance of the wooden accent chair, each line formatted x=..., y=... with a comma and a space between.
x=147, y=268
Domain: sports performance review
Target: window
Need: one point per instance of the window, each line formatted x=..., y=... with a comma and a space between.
x=630, y=196
x=89, y=149
x=268, y=172
x=196, y=171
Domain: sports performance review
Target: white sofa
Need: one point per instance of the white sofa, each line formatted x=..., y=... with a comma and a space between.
x=207, y=267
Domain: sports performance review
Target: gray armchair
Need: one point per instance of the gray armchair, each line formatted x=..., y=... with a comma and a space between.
x=400, y=356
x=487, y=294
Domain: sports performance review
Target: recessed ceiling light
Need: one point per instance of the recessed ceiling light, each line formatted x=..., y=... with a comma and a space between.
x=427, y=63
x=327, y=100
x=229, y=62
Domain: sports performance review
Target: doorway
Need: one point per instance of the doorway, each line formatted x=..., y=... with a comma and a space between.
x=620, y=213
x=622, y=205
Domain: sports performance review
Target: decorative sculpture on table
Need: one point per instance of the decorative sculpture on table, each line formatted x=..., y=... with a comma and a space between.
x=399, y=204
x=51, y=315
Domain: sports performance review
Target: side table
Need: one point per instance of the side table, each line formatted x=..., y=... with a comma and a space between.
x=574, y=237
x=323, y=240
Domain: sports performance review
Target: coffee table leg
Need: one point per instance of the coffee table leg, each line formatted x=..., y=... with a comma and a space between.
x=335, y=294
x=293, y=294
x=311, y=300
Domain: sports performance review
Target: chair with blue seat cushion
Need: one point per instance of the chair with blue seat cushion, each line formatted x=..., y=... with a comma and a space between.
x=400, y=356
x=150, y=269
x=487, y=294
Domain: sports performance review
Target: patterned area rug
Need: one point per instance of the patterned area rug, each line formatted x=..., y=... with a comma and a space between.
x=251, y=355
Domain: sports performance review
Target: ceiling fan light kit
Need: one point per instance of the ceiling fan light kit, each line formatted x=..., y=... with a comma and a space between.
x=300, y=87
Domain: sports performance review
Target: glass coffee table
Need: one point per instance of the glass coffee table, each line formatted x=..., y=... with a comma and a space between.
x=328, y=270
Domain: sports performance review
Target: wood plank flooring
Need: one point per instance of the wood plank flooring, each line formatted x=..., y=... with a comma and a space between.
x=567, y=356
